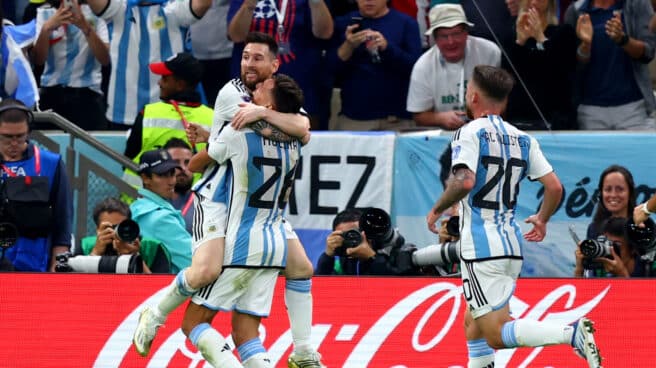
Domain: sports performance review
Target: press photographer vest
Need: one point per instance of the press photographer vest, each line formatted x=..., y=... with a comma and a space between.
x=31, y=253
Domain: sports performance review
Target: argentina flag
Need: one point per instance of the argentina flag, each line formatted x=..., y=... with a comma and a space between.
x=16, y=74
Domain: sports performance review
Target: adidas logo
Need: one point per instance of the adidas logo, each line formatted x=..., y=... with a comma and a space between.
x=226, y=347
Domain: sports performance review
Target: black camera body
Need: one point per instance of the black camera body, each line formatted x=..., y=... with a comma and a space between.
x=598, y=248
x=352, y=238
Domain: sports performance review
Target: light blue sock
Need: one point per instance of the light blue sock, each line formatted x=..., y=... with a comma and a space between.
x=481, y=355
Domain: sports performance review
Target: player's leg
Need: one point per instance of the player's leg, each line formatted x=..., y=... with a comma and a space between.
x=254, y=303
x=488, y=289
x=208, y=248
x=214, y=348
x=247, y=340
x=298, y=299
x=480, y=354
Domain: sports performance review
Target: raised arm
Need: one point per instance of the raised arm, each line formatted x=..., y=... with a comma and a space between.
x=241, y=22
x=322, y=21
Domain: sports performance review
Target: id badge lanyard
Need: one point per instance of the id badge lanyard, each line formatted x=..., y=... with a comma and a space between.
x=184, y=121
x=283, y=43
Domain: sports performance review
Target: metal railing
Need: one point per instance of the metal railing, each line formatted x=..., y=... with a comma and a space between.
x=81, y=168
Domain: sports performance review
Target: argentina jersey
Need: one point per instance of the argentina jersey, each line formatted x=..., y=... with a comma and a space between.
x=70, y=61
x=262, y=175
x=500, y=156
x=213, y=182
x=141, y=35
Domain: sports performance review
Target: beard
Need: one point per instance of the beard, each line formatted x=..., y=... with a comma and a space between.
x=182, y=185
x=470, y=114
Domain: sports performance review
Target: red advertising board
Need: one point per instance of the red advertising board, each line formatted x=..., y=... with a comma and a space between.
x=81, y=320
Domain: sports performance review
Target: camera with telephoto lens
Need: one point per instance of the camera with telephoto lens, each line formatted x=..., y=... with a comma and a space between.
x=597, y=248
x=129, y=263
x=127, y=230
x=643, y=236
x=437, y=254
x=377, y=225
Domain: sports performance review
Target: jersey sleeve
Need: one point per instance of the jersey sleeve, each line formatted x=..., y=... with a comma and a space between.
x=220, y=148
x=538, y=164
x=465, y=148
x=181, y=11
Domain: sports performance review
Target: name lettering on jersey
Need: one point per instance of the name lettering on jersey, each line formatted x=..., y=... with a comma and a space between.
x=505, y=139
x=284, y=145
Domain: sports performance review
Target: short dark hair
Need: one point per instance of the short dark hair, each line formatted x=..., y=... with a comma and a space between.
x=110, y=204
x=494, y=82
x=348, y=215
x=20, y=114
x=615, y=226
x=259, y=37
x=287, y=95
x=176, y=143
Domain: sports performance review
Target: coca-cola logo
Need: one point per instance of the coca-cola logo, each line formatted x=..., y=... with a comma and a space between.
x=426, y=320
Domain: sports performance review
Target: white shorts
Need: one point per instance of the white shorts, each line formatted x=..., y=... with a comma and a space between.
x=209, y=221
x=289, y=230
x=488, y=285
x=246, y=290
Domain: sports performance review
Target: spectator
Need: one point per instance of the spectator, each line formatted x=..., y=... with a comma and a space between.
x=16, y=78
x=617, y=197
x=360, y=255
x=107, y=215
x=72, y=43
x=624, y=259
x=182, y=199
x=544, y=56
x=299, y=27
x=154, y=213
x=142, y=31
x=374, y=59
x=211, y=46
x=493, y=19
x=436, y=97
x=43, y=210
x=180, y=105
x=614, y=88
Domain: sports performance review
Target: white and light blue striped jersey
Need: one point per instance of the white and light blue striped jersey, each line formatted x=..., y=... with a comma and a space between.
x=501, y=156
x=141, y=35
x=262, y=175
x=16, y=77
x=70, y=61
x=212, y=183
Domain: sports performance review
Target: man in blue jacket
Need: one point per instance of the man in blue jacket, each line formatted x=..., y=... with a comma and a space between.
x=153, y=211
x=35, y=193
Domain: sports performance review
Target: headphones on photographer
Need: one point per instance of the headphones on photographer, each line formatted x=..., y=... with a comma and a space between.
x=28, y=112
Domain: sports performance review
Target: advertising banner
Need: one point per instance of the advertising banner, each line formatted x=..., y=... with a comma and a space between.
x=83, y=320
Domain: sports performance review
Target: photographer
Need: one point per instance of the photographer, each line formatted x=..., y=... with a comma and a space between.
x=365, y=244
x=623, y=250
x=36, y=194
x=109, y=215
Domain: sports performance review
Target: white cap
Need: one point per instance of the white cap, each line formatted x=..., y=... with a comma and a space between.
x=447, y=16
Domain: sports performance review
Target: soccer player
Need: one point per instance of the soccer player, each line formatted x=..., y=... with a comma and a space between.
x=490, y=158
x=259, y=62
x=261, y=173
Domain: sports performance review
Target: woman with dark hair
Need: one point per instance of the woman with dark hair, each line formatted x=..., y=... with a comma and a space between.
x=617, y=197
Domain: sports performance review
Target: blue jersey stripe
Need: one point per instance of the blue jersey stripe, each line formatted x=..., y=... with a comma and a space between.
x=479, y=237
x=120, y=84
x=499, y=214
x=143, y=84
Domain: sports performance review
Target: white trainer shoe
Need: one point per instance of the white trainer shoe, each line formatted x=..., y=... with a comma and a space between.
x=584, y=343
x=146, y=331
x=305, y=360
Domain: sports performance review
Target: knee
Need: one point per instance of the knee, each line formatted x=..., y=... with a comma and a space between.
x=299, y=270
x=202, y=275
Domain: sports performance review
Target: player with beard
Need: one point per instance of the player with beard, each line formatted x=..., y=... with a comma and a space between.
x=490, y=159
x=182, y=200
x=259, y=62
